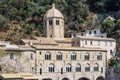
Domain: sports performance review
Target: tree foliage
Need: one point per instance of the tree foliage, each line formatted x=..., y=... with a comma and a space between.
x=108, y=25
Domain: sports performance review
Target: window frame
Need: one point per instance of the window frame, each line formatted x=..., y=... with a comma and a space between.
x=48, y=56
x=87, y=56
x=51, y=68
x=87, y=68
x=96, y=67
x=59, y=56
x=68, y=68
x=73, y=56
x=78, y=68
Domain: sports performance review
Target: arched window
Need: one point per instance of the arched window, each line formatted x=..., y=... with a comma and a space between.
x=73, y=56
x=96, y=67
x=47, y=56
x=99, y=56
x=59, y=56
x=87, y=67
x=86, y=56
x=51, y=67
x=68, y=68
x=78, y=68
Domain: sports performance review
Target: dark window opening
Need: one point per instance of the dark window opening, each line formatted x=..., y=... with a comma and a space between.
x=11, y=56
x=57, y=22
x=50, y=22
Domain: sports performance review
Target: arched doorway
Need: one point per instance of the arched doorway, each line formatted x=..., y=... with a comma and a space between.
x=65, y=79
x=47, y=79
x=100, y=78
x=84, y=78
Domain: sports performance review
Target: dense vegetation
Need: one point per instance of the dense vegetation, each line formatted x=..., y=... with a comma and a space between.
x=24, y=18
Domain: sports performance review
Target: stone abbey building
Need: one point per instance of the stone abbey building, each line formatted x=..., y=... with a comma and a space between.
x=54, y=57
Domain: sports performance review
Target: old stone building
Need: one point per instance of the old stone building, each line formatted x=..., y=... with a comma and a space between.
x=54, y=57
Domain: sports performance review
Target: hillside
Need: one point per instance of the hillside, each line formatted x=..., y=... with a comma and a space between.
x=24, y=18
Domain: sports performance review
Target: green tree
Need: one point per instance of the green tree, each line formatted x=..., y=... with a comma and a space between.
x=108, y=25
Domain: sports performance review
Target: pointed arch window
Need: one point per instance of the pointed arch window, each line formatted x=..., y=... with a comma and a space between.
x=87, y=67
x=59, y=56
x=73, y=56
x=51, y=67
x=69, y=68
x=48, y=56
x=96, y=67
x=78, y=68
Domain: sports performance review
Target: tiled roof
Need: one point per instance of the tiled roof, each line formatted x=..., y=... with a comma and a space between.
x=95, y=38
x=68, y=48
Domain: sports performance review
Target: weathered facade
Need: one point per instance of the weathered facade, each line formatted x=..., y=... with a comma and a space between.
x=54, y=57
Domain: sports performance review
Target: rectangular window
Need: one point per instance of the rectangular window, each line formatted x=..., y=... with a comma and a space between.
x=57, y=22
x=86, y=57
x=40, y=53
x=32, y=69
x=101, y=70
x=81, y=34
x=50, y=22
x=78, y=69
x=91, y=43
x=40, y=71
x=94, y=32
x=96, y=68
x=90, y=32
x=99, y=57
x=85, y=42
x=11, y=56
x=87, y=69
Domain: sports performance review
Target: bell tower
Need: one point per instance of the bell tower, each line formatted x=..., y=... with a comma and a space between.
x=54, y=24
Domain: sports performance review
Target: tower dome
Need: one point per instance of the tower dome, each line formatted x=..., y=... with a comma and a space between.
x=53, y=13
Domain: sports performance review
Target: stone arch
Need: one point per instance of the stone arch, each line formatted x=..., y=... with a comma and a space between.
x=84, y=78
x=65, y=79
x=100, y=78
x=47, y=79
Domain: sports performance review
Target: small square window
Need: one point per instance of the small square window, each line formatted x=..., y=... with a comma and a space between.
x=11, y=56
x=40, y=53
x=94, y=32
x=89, y=32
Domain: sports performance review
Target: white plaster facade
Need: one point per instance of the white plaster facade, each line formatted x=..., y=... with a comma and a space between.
x=106, y=43
x=90, y=33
